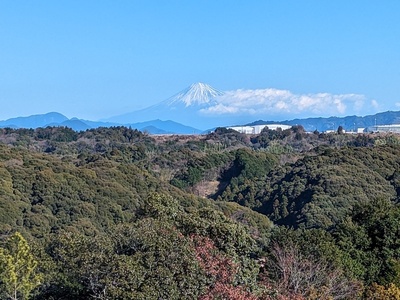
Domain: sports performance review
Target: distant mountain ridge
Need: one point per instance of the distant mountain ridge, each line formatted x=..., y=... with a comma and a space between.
x=57, y=119
x=34, y=121
x=197, y=106
x=158, y=126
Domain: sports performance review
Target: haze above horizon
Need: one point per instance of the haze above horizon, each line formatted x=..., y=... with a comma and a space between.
x=98, y=59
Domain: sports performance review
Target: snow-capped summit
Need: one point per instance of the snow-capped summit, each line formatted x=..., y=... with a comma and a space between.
x=184, y=107
x=196, y=94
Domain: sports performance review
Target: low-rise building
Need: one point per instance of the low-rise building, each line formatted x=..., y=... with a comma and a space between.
x=360, y=130
x=256, y=129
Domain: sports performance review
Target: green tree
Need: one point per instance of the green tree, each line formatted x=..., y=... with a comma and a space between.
x=18, y=274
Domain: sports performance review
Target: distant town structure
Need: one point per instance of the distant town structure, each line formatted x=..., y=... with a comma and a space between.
x=395, y=128
x=256, y=129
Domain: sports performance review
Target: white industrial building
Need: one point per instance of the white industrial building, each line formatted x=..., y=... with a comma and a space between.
x=256, y=129
x=361, y=130
x=395, y=128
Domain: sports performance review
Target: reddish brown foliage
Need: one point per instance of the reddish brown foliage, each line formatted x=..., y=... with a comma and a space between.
x=222, y=271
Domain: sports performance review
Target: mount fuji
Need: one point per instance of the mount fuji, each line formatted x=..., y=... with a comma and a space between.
x=184, y=107
x=197, y=95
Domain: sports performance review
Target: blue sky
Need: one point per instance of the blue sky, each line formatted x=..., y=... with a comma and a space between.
x=96, y=59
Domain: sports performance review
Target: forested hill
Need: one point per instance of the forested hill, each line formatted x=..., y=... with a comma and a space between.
x=112, y=213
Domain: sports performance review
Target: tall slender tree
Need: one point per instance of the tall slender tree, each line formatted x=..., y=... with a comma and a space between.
x=18, y=269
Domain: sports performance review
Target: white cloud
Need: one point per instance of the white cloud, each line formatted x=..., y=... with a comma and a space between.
x=283, y=102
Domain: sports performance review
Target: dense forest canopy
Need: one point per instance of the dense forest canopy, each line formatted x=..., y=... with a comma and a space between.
x=113, y=213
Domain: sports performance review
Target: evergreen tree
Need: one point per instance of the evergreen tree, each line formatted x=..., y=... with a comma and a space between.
x=18, y=275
